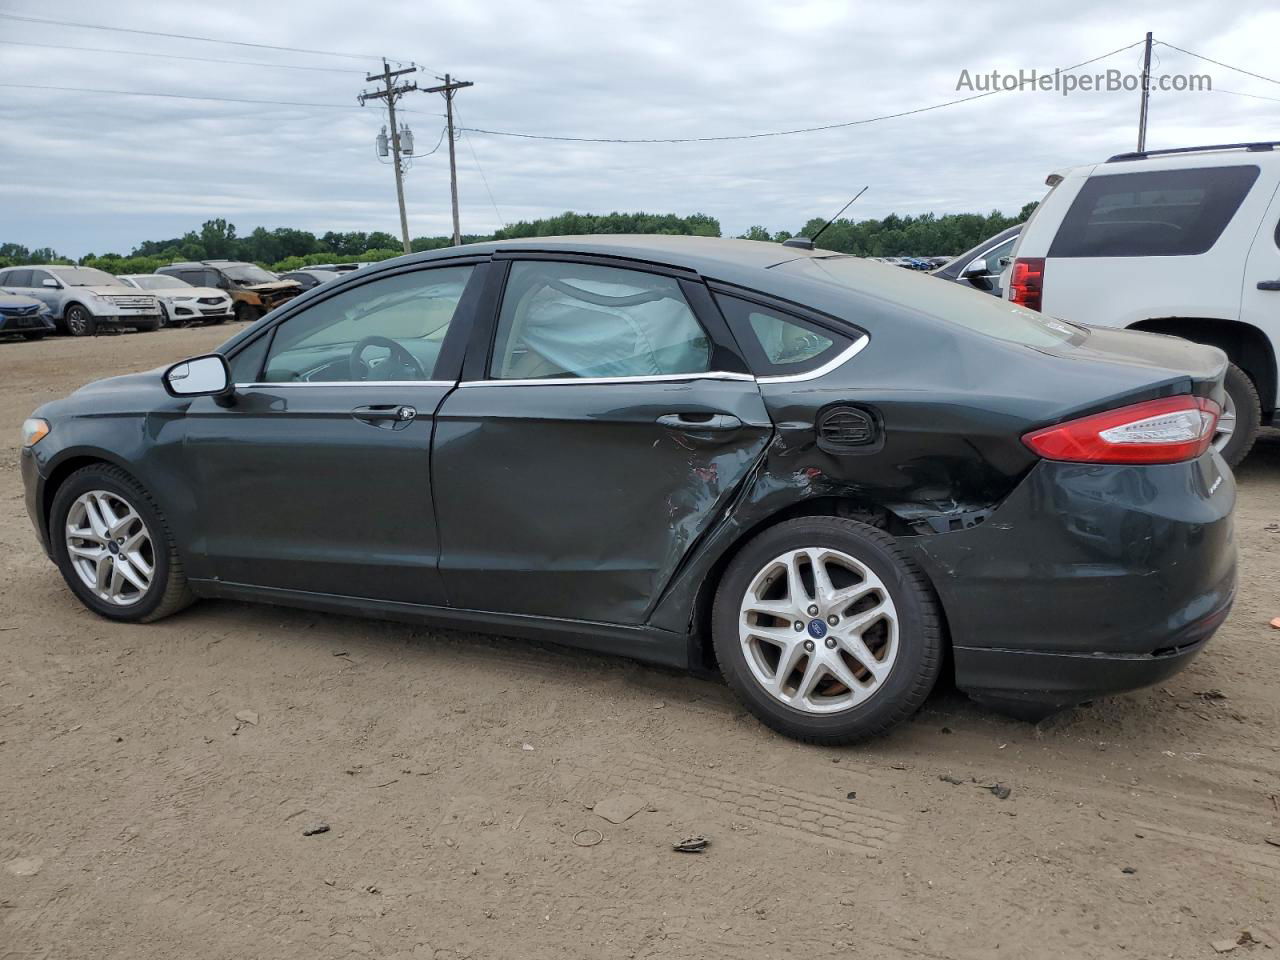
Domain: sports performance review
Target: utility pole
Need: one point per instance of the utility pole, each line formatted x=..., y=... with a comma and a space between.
x=1146, y=95
x=391, y=92
x=448, y=88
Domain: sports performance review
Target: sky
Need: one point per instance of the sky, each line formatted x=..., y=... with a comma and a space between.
x=100, y=171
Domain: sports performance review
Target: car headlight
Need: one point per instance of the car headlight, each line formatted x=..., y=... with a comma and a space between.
x=34, y=430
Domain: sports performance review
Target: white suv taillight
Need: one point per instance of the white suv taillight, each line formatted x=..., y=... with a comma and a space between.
x=1167, y=430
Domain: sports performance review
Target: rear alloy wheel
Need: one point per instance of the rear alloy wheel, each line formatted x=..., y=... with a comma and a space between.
x=1240, y=420
x=79, y=321
x=113, y=547
x=826, y=631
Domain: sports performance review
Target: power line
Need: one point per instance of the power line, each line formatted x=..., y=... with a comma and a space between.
x=483, y=179
x=1240, y=93
x=187, y=36
x=175, y=56
x=779, y=133
x=178, y=96
x=1219, y=63
x=183, y=96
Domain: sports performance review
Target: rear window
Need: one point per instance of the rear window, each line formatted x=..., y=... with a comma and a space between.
x=1157, y=213
x=950, y=302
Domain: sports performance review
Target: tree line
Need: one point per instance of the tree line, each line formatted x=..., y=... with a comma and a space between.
x=286, y=248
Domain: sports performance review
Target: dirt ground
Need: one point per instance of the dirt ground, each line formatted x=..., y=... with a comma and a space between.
x=140, y=819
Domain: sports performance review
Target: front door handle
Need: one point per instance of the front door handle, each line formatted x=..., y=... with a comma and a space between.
x=1269, y=284
x=400, y=413
x=700, y=422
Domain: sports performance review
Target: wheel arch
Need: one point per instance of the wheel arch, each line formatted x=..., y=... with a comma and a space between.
x=1245, y=345
x=702, y=659
x=64, y=467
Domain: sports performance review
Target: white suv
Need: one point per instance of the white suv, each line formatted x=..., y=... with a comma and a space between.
x=1183, y=242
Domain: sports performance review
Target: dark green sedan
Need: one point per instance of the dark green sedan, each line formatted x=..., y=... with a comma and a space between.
x=828, y=479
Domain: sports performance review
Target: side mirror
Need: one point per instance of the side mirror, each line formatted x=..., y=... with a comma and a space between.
x=50, y=282
x=207, y=376
x=976, y=268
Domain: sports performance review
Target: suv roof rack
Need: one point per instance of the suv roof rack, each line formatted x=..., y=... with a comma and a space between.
x=1257, y=147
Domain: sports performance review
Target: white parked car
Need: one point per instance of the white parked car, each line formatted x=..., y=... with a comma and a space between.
x=1183, y=242
x=82, y=300
x=181, y=302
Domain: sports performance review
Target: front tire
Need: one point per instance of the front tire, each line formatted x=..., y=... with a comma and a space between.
x=868, y=647
x=246, y=313
x=114, y=547
x=80, y=322
x=37, y=335
x=1241, y=418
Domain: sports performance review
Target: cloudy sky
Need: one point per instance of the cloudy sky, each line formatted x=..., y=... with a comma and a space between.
x=100, y=171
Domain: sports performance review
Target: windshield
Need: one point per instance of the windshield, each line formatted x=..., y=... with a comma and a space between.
x=158, y=282
x=950, y=302
x=85, y=277
x=247, y=273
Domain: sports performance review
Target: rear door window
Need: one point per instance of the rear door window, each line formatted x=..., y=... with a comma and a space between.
x=18, y=278
x=1156, y=213
x=574, y=320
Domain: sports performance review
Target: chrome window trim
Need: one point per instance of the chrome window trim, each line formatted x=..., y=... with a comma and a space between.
x=350, y=383
x=587, y=381
x=839, y=360
x=843, y=357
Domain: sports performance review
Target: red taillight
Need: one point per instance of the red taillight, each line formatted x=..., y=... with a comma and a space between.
x=1156, y=431
x=1026, y=283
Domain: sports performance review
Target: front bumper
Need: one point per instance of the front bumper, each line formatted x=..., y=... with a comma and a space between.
x=1087, y=580
x=126, y=318
x=32, y=323
x=33, y=489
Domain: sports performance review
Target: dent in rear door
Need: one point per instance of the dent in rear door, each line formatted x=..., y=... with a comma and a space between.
x=573, y=501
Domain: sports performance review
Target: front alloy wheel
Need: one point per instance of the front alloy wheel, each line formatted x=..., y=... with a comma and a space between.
x=110, y=547
x=79, y=321
x=114, y=548
x=826, y=630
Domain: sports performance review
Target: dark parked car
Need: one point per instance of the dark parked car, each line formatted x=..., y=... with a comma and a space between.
x=24, y=316
x=309, y=278
x=980, y=267
x=826, y=478
x=253, y=291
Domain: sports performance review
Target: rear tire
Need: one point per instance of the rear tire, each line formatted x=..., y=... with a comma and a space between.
x=147, y=555
x=877, y=626
x=80, y=322
x=1243, y=403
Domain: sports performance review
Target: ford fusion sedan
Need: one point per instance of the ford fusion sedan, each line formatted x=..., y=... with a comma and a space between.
x=180, y=302
x=827, y=480
x=82, y=300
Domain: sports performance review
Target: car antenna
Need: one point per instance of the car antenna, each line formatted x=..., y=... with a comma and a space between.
x=806, y=243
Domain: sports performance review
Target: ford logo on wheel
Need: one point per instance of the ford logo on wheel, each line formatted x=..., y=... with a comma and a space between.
x=817, y=629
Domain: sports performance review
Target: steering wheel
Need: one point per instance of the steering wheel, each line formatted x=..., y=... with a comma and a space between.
x=409, y=367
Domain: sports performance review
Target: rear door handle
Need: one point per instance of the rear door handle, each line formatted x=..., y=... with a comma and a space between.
x=700, y=422
x=1269, y=284
x=385, y=411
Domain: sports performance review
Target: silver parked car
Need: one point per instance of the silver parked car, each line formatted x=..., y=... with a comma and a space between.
x=181, y=302
x=83, y=300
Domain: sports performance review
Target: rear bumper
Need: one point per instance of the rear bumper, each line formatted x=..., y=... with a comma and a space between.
x=1087, y=580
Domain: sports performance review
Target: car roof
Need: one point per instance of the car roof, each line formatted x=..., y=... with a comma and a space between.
x=707, y=255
